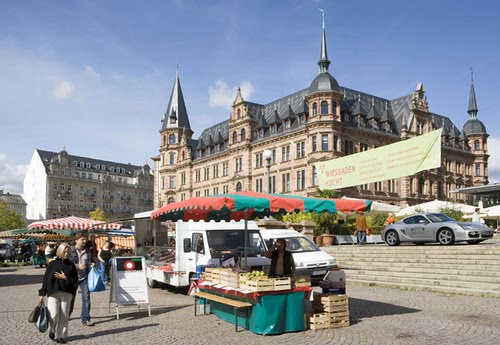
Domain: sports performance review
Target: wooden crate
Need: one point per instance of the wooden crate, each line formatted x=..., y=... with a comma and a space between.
x=284, y=283
x=329, y=320
x=331, y=299
x=256, y=284
x=302, y=281
x=230, y=278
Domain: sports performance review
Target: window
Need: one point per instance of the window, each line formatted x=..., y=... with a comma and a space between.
x=197, y=175
x=183, y=178
x=335, y=143
x=258, y=160
x=324, y=107
x=258, y=185
x=324, y=142
x=112, y=169
x=206, y=174
x=235, y=137
x=243, y=134
x=88, y=165
x=363, y=147
x=225, y=189
x=171, y=139
x=285, y=183
x=274, y=156
x=216, y=190
x=287, y=124
x=334, y=108
x=239, y=164
x=98, y=167
x=315, y=176
x=171, y=182
x=301, y=180
x=238, y=187
x=103, y=167
x=215, y=171
x=478, y=169
x=82, y=165
x=225, y=168
x=285, y=153
x=315, y=109
x=348, y=147
x=301, y=150
x=314, y=144
x=171, y=200
x=392, y=185
x=163, y=139
x=172, y=159
x=476, y=145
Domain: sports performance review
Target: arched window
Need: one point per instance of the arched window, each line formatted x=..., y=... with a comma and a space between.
x=171, y=139
x=243, y=134
x=238, y=187
x=324, y=107
x=334, y=108
x=238, y=113
x=315, y=109
x=476, y=145
x=235, y=137
x=171, y=200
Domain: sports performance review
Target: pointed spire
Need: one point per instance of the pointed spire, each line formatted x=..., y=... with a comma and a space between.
x=323, y=62
x=239, y=98
x=175, y=116
x=472, y=98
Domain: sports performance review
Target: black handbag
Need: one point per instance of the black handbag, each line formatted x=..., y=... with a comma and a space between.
x=42, y=323
x=35, y=313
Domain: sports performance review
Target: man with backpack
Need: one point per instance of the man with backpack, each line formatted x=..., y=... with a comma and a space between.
x=82, y=258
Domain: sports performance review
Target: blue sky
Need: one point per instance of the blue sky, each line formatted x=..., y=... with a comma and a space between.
x=95, y=76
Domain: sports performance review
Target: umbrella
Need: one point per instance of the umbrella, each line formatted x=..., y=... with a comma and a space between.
x=72, y=223
x=379, y=207
x=248, y=205
x=435, y=206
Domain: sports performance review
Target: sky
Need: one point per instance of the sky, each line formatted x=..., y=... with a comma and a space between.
x=95, y=76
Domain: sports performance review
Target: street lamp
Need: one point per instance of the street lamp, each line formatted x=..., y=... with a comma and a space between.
x=268, y=156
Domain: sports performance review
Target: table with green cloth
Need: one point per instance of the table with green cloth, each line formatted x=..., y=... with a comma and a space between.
x=273, y=312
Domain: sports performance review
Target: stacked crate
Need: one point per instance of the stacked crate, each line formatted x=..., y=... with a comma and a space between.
x=263, y=283
x=230, y=278
x=331, y=311
x=303, y=281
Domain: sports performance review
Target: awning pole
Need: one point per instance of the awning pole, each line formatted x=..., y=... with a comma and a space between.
x=246, y=240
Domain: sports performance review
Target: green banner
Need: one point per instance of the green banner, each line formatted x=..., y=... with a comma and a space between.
x=404, y=158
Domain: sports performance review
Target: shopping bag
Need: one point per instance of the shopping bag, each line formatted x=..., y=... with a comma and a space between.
x=95, y=281
x=42, y=322
x=34, y=314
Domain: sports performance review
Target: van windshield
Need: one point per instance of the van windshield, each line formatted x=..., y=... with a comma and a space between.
x=228, y=243
x=300, y=245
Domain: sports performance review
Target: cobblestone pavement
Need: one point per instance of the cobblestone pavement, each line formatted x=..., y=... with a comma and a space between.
x=378, y=316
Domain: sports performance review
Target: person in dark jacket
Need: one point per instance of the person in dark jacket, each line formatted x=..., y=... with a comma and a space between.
x=282, y=263
x=59, y=283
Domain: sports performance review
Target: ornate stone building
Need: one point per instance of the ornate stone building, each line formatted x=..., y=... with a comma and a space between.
x=60, y=185
x=271, y=147
x=14, y=202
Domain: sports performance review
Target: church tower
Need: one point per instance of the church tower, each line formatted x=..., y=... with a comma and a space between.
x=172, y=166
x=477, y=138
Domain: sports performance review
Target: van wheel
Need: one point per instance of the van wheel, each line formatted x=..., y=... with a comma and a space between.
x=153, y=284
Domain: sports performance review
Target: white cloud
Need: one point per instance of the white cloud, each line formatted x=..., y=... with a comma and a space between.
x=494, y=160
x=11, y=177
x=63, y=90
x=222, y=95
x=91, y=72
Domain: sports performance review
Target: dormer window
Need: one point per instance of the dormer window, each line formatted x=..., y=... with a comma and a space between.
x=82, y=165
x=98, y=166
x=103, y=167
x=287, y=124
x=112, y=169
x=123, y=170
x=88, y=165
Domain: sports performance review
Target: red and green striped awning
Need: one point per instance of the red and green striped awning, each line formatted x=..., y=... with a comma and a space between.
x=241, y=205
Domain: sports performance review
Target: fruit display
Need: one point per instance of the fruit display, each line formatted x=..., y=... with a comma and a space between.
x=255, y=275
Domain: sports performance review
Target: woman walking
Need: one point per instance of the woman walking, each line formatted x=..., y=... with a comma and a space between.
x=104, y=257
x=59, y=283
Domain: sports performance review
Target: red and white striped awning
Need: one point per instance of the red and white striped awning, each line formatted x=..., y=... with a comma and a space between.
x=73, y=223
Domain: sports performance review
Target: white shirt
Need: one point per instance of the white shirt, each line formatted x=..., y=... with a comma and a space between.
x=475, y=217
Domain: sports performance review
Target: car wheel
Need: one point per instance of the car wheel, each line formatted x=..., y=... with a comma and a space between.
x=473, y=242
x=153, y=284
x=392, y=238
x=446, y=236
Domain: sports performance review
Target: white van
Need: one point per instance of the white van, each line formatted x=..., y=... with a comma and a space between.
x=196, y=244
x=309, y=258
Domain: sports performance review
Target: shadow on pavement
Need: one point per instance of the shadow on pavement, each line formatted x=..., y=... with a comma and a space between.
x=360, y=309
x=134, y=314
x=110, y=331
x=21, y=279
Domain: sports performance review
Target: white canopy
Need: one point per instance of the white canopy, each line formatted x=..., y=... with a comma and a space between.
x=435, y=206
x=492, y=212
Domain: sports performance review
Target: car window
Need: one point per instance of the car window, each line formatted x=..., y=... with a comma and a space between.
x=411, y=220
x=438, y=218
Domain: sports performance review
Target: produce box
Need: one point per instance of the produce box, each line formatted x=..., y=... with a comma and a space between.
x=261, y=283
x=230, y=278
x=332, y=311
x=328, y=320
x=303, y=281
x=284, y=283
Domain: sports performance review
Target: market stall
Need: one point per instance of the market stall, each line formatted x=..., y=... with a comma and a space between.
x=277, y=307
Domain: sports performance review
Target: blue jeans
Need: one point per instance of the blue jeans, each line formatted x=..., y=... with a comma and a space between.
x=84, y=288
x=361, y=236
x=105, y=271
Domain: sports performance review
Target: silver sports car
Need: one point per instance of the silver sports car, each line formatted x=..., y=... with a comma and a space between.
x=434, y=227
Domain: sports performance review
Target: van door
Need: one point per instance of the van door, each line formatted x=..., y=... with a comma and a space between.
x=198, y=254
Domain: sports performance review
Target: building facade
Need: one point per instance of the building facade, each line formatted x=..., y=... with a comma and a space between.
x=14, y=202
x=272, y=147
x=60, y=185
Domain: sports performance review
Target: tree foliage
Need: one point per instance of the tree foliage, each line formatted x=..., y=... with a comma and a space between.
x=98, y=214
x=9, y=219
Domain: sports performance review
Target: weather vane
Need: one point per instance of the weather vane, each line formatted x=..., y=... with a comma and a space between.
x=323, y=16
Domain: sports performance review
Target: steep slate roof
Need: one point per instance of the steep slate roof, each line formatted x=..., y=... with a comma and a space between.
x=176, y=108
x=12, y=199
x=130, y=170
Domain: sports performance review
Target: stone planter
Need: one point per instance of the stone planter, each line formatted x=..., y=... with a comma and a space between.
x=328, y=240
